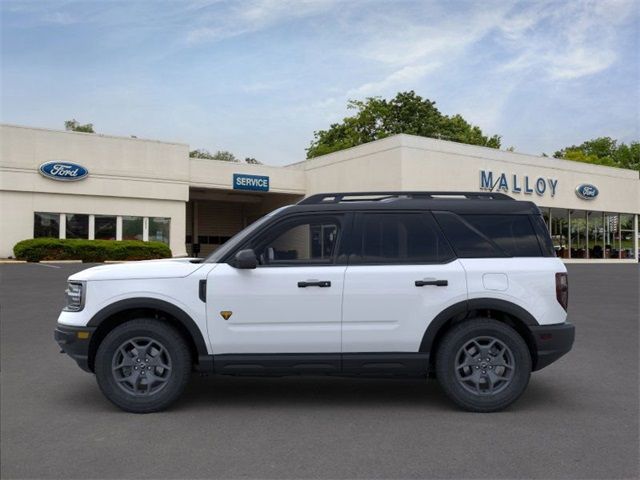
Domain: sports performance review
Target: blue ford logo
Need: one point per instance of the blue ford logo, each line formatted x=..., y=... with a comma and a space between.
x=64, y=171
x=587, y=191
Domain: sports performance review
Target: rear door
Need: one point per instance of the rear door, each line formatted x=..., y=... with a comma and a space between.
x=403, y=273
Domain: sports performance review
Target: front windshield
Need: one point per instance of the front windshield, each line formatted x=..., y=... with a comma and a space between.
x=240, y=237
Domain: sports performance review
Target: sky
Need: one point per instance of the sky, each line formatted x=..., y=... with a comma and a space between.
x=258, y=77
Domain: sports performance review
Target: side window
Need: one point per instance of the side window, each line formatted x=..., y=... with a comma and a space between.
x=467, y=241
x=302, y=241
x=401, y=238
x=512, y=233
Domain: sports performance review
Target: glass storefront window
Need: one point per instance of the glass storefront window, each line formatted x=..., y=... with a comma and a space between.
x=560, y=232
x=105, y=227
x=596, y=235
x=77, y=226
x=578, y=234
x=132, y=228
x=626, y=236
x=611, y=235
x=46, y=225
x=159, y=229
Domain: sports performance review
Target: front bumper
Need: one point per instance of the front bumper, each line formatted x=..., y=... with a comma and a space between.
x=75, y=341
x=552, y=342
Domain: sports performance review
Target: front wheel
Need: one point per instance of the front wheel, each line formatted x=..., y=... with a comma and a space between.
x=483, y=365
x=143, y=365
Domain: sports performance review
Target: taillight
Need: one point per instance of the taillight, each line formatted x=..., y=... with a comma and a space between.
x=562, y=289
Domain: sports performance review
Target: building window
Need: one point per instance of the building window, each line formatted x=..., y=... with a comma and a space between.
x=611, y=235
x=105, y=227
x=159, y=229
x=579, y=234
x=596, y=235
x=77, y=226
x=46, y=225
x=132, y=228
x=626, y=236
x=560, y=232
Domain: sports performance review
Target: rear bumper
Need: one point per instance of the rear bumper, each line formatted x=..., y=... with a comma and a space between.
x=552, y=342
x=74, y=341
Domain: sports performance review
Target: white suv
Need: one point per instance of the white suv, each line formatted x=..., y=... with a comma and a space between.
x=461, y=286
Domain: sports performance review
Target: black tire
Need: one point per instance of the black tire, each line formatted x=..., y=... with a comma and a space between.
x=169, y=365
x=476, y=391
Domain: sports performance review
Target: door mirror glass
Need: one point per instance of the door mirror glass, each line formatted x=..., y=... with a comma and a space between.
x=246, y=259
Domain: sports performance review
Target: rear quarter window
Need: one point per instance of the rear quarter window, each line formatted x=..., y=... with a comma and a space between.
x=514, y=234
x=466, y=240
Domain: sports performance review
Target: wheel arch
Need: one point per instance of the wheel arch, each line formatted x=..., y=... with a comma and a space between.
x=507, y=312
x=119, y=312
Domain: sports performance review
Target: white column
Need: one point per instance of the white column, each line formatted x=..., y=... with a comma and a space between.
x=92, y=227
x=118, y=227
x=63, y=225
x=635, y=237
x=145, y=229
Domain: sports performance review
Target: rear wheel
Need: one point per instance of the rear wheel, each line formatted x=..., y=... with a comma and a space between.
x=483, y=365
x=143, y=365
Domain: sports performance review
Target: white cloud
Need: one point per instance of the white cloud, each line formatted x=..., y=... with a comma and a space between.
x=250, y=16
x=565, y=41
x=405, y=77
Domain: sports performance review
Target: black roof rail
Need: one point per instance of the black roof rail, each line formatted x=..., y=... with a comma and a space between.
x=322, y=198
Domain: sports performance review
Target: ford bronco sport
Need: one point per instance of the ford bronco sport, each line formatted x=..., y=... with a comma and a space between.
x=461, y=286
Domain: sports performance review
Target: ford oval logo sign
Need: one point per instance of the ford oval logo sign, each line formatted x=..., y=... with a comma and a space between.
x=63, y=171
x=587, y=191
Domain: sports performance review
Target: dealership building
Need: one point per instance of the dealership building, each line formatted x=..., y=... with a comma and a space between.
x=78, y=185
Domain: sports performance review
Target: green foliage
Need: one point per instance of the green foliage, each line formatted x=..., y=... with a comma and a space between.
x=408, y=113
x=604, y=151
x=252, y=161
x=74, y=126
x=36, y=249
x=221, y=155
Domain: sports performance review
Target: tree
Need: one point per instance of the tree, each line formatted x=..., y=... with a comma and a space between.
x=409, y=113
x=222, y=155
x=604, y=151
x=75, y=126
x=252, y=161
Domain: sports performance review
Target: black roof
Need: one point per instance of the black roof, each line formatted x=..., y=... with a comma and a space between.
x=457, y=202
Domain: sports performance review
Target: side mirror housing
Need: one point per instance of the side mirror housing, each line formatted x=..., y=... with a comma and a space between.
x=246, y=259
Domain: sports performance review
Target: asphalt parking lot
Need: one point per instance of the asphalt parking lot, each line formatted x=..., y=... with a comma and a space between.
x=578, y=418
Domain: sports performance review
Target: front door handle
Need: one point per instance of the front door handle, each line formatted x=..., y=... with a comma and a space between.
x=314, y=283
x=437, y=283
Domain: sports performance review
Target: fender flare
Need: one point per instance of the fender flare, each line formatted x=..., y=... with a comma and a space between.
x=461, y=309
x=153, y=303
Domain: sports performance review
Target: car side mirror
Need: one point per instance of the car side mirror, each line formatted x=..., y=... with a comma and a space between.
x=246, y=259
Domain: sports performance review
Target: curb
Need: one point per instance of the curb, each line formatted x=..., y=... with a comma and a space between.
x=10, y=261
x=60, y=261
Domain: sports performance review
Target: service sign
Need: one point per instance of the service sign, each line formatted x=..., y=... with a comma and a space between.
x=257, y=183
x=63, y=171
x=587, y=191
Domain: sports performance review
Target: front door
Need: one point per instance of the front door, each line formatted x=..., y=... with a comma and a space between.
x=291, y=303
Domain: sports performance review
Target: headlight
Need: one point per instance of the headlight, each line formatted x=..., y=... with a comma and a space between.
x=74, y=294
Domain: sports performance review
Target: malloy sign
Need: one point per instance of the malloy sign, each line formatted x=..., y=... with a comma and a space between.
x=517, y=183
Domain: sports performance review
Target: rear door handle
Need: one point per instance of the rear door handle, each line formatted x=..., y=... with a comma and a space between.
x=437, y=283
x=314, y=283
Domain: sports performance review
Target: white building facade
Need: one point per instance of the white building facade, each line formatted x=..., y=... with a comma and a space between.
x=77, y=185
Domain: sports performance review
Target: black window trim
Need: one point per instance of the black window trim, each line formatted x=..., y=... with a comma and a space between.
x=345, y=221
x=356, y=253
